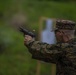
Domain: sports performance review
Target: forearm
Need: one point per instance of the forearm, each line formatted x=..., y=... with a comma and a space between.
x=43, y=51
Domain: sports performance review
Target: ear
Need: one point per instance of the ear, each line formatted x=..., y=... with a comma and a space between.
x=65, y=38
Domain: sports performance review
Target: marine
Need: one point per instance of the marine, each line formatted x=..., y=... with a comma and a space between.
x=63, y=53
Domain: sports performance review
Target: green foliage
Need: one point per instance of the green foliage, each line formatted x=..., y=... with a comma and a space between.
x=15, y=58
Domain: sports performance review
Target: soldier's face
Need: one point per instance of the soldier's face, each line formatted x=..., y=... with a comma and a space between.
x=59, y=36
x=64, y=35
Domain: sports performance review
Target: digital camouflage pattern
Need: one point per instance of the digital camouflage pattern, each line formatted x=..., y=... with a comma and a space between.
x=65, y=24
x=63, y=55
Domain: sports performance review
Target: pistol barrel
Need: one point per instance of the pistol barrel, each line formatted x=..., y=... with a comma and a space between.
x=26, y=32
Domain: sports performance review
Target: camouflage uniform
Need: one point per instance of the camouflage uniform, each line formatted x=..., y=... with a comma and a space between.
x=63, y=55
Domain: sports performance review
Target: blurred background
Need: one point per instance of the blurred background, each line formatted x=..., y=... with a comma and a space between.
x=14, y=56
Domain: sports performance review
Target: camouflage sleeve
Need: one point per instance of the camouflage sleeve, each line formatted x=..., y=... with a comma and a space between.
x=44, y=51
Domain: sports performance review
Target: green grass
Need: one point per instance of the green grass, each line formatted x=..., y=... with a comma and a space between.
x=15, y=59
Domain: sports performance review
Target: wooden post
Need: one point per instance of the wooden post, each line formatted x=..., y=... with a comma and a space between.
x=53, y=69
x=38, y=67
x=38, y=62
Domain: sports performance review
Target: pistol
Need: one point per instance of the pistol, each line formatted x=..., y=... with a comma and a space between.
x=26, y=32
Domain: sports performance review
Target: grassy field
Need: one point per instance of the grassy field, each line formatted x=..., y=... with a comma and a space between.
x=14, y=56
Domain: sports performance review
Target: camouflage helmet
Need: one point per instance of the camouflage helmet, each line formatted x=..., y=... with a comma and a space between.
x=65, y=24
